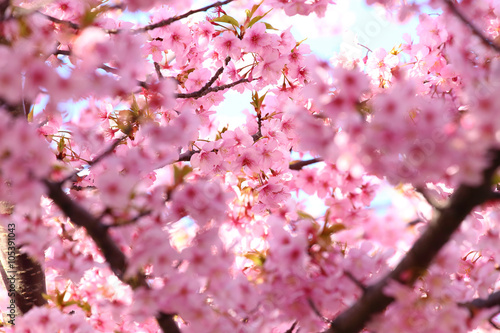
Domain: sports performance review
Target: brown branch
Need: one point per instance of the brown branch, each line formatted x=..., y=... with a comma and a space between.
x=316, y=311
x=3, y=8
x=475, y=30
x=62, y=52
x=158, y=71
x=20, y=109
x=206, y=89
x=354, y=280
x=482, y=303
x=96, y=230
x=186, y=157
x=300, y=164
x=494, y=195
x=290, y=330
x=59, y=21
x=171, y=20
x=149, y=27
x=492, y=301
x=202, y=92
x=99, y=233
x=27, y=275
x=111, y=148
x=430, y=200
x=420, y=256
x=199, y=93
x=105, y=153
x=81, y=188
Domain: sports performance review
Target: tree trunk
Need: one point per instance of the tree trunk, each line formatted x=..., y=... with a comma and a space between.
x=22, y=277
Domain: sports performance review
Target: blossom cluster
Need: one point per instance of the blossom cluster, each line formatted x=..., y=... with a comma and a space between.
x=278, y=223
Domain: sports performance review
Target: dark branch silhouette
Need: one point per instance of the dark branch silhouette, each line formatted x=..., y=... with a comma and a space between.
x=202, y=92
x=420, y=256
x=475, y=30
x=149, y=27
x=99, y=233
x=300, y=164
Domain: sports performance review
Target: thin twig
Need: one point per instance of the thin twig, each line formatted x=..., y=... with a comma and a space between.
x=171, y=20
x=3, y=8
x=108, y=151
x=131, y=221
x=149, y=27
x=81, y=188
x=430, y=200
x=209, y=83
x=59, y=21
x=202, y=92
x=300, y=164
x=62, y=52
x=158, y=71
x=290, y=330
x=316, y=311
x=475, y=30
x=105, y=153
x=355, y=281
x=483, y=303
x=186, y=157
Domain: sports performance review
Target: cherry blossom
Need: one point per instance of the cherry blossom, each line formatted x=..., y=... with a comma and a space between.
x=354, y=193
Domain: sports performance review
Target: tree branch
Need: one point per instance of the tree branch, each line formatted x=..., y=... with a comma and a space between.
x=290, y=330
x=300, y=164
x=199, y=93
x=186, y=157
x=481, y=303
x=202, y=92
x=430, y=200
x=149, y=27
x=28, y=275
x=105, y=153
x=158, y=71
x=3, y=8
x=59, y=21
x=99, y=233
x=475, y=30
x=418, y=259
x=173, y=19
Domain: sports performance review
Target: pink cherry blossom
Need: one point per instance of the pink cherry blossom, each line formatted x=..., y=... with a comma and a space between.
x=333, y=193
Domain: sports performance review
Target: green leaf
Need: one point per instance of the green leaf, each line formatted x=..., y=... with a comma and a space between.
x=60, y=297
x=254, y=8
x=227, y=19
x=254, y=20
x=268, y=26
x=334, y=228
x=180, y=173
x=258, y=258
x=304, y=215
x=30, y=114
x=495, y=179
x=88, y=18
x=258, y=18
x=298, y=43
x=261, y=99
x=135, y=107
x=60, y=145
